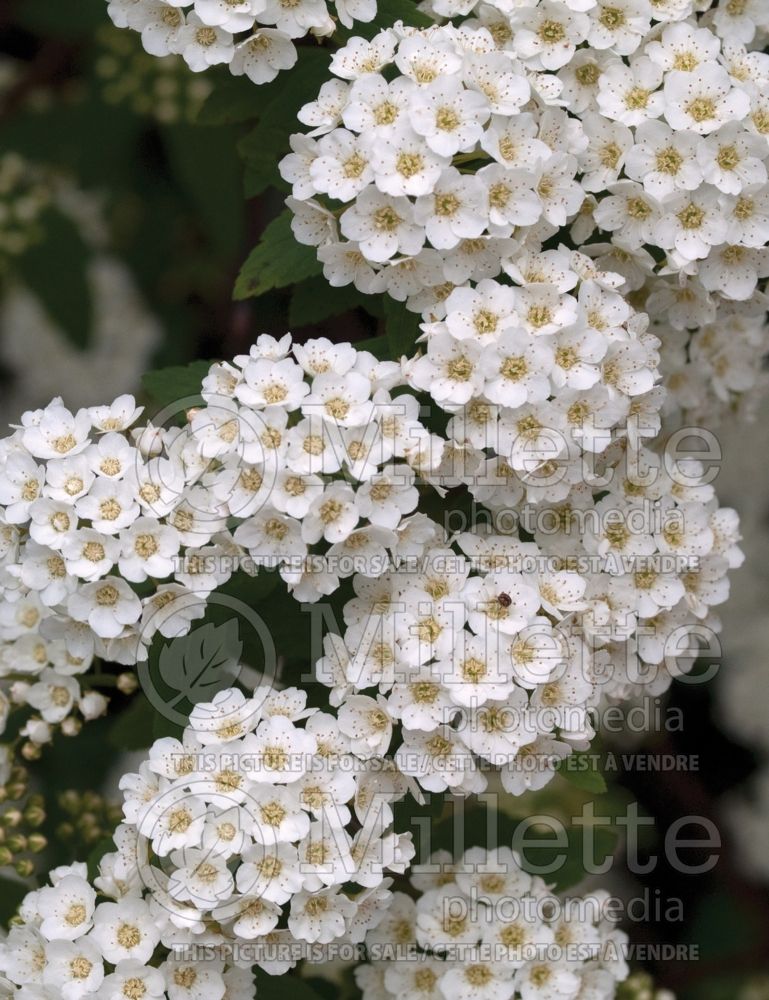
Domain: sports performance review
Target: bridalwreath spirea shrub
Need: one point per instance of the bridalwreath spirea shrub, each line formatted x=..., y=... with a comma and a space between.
x=572, y=198
x=311, y=460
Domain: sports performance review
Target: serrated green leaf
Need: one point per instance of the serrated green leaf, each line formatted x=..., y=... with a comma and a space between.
x=166, y=385
x=276, y=261
x=401, y=328
x=267, y=143
x=579, y=770
x=54, y=269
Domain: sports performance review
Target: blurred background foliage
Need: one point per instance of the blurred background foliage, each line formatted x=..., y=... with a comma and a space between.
x=134, y=197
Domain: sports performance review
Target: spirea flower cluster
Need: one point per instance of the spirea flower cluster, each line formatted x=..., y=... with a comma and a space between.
x=80, y=940
x=637, y=133
x=249, y=820
x=498, y=135
x=572, y=564
x=95, y=512
x=252, y=37
x=484, y=929
x=236, y=843
x=494, y=653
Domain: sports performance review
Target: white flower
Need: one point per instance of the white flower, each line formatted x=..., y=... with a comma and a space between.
x=271, y=873
x=237, y=16
x=107, y=605
x=630, y=210
x=160, y=24
x=692, y=223
x=620, y=26
x=136, y=976
x=191, y=980
x=74, y=968
x=541, y=980
x=403, y=165
x=683, y=47
x=320, y=917
x=66, y=908
x=453, y=210
x=281, y=751
x=262, y=56
x=53, y=695
x=109, y=505
x=664, y=161
x=340, y=166
x=125, y=930
x=629, y=94
x=703, y=100
x=732, y=159
x=366, y=722
x=546, y=36
x=449, y=117
x=200, y=877
x=148, y=549
x=382, y=225
x=450, y=371
x=332, y=515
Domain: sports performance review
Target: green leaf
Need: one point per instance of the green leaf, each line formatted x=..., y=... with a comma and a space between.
x=264, y=147
x=378, y=346
x=55, y=270
x=233, y=99
x=132, y=728
x=276, y=261
x=314, y=300
x=401, y=328
x=579, y=770
x=178, y=382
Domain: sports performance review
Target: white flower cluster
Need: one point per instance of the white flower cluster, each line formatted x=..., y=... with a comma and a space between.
x=711, y=362
x=94, y=513
x=501, y=654
x=507, y=131
x=76, y=941
x=247, y=821
x=252, y=37
x=588, y=562
x=635, y=132
x=583, y=565
x=484, y=929
x=235, y=851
